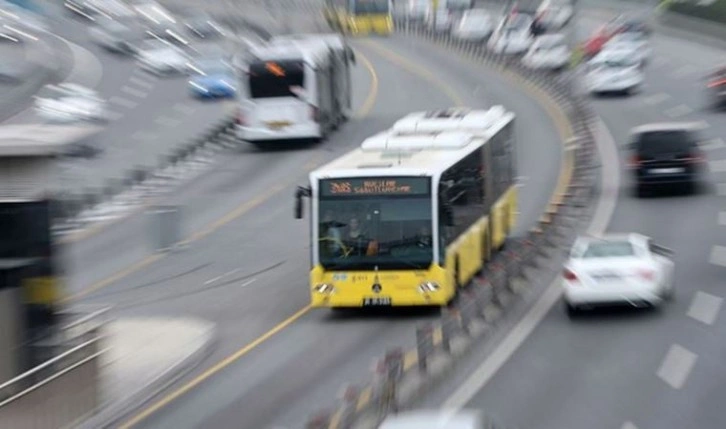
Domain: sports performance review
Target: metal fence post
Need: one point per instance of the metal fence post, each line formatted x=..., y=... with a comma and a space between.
x=424, y=344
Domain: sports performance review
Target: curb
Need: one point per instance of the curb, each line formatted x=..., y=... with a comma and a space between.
x=110, y=414
x=401, y=376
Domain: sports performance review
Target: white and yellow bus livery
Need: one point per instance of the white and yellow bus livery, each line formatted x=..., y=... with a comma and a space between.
x=415, y=212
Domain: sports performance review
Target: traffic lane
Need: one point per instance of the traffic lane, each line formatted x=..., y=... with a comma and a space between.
x=243, y=175
x=278, y=377
x=602, y=368
x=538, y=148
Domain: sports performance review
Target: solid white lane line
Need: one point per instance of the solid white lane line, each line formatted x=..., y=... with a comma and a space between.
x=221, y=276
x=712, y=144
x=705, y=307
x=141, y=82
x=610, y=173
x=677, y=366
x=629, y=425
x=248, y=282
x=718, y=256
x=717, y=166
x=133, y=91
x=721, y=189
x=722, y=218
x=678, y=111
x=123, y=102
x=656, y=99
x=87, y=68
x=167, y=122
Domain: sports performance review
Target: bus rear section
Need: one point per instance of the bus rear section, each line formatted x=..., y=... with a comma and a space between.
x=371, y=16
x=281, y=102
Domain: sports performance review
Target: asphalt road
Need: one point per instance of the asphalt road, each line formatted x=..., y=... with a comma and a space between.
x=149, y=115
x=635, y=369
x=250, y=275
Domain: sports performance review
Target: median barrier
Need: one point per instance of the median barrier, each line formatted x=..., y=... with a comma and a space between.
x=401, y=377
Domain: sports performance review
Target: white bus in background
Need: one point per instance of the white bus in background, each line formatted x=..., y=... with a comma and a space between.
x=343, y=59
x=290, y=93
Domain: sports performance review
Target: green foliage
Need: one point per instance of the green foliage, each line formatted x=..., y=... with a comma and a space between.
x=714, y=12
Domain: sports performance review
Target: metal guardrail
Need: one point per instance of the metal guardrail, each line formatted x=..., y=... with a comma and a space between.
x=55, y=394
x=506, y=277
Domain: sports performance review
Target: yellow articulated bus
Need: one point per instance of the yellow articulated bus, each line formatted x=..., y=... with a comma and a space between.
x=415, y=212
x=359, y=17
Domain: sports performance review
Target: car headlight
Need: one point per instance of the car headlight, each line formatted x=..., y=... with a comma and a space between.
x=428, y=287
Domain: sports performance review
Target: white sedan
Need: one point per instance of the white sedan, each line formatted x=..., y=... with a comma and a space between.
x=613, y=71
x=512, y=36
x=161, y=57
x=617, y=269
x=634, y=43
x=475, y=25
x=68, y=102
x=549, y=51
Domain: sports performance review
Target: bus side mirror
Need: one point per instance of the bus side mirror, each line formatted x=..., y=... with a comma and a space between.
x=299, y=194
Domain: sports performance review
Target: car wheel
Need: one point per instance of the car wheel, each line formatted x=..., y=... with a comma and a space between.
x=641, y=191
x=669, y=293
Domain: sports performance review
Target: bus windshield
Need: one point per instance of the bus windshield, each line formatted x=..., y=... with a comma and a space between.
x=368, y=223
x=271, y=79
x=363, y=7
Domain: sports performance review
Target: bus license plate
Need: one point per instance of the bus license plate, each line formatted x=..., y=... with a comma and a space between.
x=377, y=301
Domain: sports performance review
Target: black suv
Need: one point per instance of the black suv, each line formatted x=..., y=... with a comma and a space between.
x=666, y=154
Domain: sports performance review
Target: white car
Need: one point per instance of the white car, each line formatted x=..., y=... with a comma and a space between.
x=636, y=44
x=512, y=36
x=555, y=14
x=440, y=22
x=68, y=102
x=475, y=25
x=417, y=10
x=549, y=51
x=617, y=269
x=613, y=71
x=161, y=57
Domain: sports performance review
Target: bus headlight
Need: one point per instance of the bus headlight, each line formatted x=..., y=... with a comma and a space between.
x=324, y=288
x=427, y=287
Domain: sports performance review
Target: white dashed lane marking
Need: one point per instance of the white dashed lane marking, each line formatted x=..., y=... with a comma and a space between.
x=133, y=91
x=705, y=307
x=722, y=218
x=141, y=82
x=652, y=100
x=629, y=425
x=167, y=122
x=676, y=366
x=718, y=256
x=123, y=102
x=717, y=166
x=678, y=111
x=184, y=109
x=712, y=144
x=684, y=71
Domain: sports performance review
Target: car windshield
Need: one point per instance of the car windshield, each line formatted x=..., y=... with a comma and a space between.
x=665, y=142
x=273, y=79
x=608, y=249
x=368, y=223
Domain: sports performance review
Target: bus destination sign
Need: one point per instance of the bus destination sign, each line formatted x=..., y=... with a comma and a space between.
x=374, y=186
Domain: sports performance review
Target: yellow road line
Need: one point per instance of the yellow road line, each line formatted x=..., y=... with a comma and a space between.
x=335, y=419
x=410, y=359
x=243, y=208
x=416, y=69
x=365, y=109
x=365, y=398
x=437, y=335
x=213, y=370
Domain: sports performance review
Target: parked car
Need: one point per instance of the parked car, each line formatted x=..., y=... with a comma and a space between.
x=69, y=102
x=475, y=25
x=549, y=52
